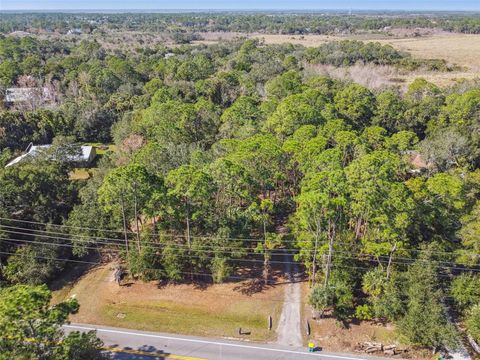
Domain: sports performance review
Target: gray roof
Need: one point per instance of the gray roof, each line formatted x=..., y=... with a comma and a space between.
x=15, y=95
x=35, y=150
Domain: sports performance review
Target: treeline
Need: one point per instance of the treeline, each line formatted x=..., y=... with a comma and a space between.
x=277, y=23
x=228, y=154
x=93, y=87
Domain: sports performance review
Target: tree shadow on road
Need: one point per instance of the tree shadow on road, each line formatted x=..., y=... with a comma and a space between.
x=144, y=352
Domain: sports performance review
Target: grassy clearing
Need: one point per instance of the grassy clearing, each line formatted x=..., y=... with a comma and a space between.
x=79, y=174
x=215, y=311
x=177, y=318
x=458, y=49
x=101, y=148
x=86, y=173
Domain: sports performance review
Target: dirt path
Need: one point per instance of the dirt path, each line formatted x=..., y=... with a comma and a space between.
x=289, y=327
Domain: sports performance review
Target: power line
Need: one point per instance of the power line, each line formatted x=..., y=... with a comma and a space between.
x=62, y=225
x=358, y=257
x=222, y=251
x=188, y=256
x=149, y=269
x=204, y=274
x=128, y=231
x=155, y=244
x=121, y=241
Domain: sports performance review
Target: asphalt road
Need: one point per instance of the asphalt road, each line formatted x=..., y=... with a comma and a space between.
x=124, y=344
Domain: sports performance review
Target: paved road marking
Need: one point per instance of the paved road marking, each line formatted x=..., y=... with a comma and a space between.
x=137, y=352
x=151, y=354
x=213, y=343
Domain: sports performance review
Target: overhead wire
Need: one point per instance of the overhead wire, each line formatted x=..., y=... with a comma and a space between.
x=32, y=232
x=119, y=240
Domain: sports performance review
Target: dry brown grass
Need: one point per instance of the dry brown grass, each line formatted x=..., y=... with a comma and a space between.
x=458, y=49
x=216, y=310
x=372, y=76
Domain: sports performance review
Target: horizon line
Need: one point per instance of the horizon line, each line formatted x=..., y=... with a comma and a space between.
x=240, y=9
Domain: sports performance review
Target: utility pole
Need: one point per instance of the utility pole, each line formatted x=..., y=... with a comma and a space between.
x=390, y=258
x=124, y=224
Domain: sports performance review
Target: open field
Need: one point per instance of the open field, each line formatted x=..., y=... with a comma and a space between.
x=458, y=49
x=217, y=310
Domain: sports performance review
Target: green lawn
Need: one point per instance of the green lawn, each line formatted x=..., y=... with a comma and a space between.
x=79, y=174
x=193, y=320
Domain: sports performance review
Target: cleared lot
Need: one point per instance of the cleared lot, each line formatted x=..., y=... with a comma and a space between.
x=216, y=310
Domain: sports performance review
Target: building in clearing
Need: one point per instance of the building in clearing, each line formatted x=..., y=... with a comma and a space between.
x=83, y=158
x=28, y=95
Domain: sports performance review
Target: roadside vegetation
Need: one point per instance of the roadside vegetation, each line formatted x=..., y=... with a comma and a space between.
x=226, y=156
x=31, y=328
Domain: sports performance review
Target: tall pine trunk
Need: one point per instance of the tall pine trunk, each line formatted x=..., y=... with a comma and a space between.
x=137, y=227
x=331, y=237
x=315, y=250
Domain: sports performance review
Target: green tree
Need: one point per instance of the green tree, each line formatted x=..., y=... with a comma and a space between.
x=320, y=215
x=357, y=104
x=37, y=189
x=466, y=291
x=381, y=206
x=34, y=263
x=87, y=220
x=192, y=189
x=389, y=112
x=262, y=158
x=262, y=213
x=336, y=297
x=31, y=327
x=473, y=322
x=285, y=84
x=386, y=298
x=295, y=111
x=470, y=235
x=126, y=192
x=425, y=321
x=241, y=119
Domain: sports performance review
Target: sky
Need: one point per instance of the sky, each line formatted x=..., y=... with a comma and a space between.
x=451, y=5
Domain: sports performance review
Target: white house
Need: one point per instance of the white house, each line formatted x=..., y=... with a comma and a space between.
x=27, y=95
x=83, y=158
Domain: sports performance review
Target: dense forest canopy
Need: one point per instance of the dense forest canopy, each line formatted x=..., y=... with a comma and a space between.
x=226, y=154
x=321, y=22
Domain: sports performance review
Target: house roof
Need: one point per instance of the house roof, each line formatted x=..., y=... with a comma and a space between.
x=35, y=150
x=15, y=95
